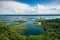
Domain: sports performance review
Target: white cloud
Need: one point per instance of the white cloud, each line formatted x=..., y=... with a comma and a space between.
x=20, y=8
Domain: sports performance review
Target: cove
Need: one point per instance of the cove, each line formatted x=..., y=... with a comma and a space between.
x=32, y=28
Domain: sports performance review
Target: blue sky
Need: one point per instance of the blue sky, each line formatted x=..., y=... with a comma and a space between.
x=29, y=7
x=35, y=2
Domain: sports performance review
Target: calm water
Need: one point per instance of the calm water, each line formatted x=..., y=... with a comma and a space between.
x=32, y=28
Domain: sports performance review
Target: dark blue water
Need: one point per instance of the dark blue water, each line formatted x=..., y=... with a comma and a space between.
x=32, y=28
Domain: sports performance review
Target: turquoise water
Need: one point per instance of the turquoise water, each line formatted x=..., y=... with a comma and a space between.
x=32, y=28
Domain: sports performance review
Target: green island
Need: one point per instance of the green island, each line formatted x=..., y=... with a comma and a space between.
x=20, y=21
x=51, y=27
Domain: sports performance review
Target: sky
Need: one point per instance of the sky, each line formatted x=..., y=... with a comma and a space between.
x=28, y=7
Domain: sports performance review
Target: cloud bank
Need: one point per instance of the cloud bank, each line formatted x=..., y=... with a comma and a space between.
x=12, y=7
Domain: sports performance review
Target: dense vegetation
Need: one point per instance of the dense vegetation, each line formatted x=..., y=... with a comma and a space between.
x=7, y=33
x=51, y=27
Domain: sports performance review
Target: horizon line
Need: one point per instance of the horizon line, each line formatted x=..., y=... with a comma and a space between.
x=30, y=15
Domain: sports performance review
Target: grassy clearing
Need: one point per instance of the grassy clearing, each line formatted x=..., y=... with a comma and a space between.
x=18, y=28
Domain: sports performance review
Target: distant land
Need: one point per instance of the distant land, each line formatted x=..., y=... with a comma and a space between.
x=29, y=14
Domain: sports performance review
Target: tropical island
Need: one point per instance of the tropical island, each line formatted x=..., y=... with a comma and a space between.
x=50, y=26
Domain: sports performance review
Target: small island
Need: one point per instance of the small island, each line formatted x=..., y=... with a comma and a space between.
x=20, y=21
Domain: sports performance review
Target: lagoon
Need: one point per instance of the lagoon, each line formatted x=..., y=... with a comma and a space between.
x=32, y=28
